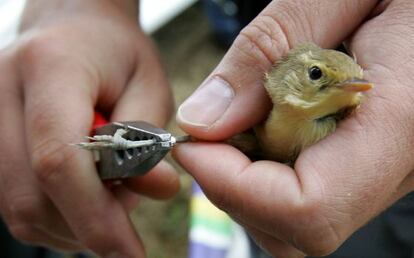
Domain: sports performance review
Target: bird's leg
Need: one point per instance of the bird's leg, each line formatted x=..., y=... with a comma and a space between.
x=106, y=141
x=247, y=143
x=109, y=138
x=116, y=142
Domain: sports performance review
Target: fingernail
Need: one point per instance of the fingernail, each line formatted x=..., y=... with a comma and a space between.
x=207, y=104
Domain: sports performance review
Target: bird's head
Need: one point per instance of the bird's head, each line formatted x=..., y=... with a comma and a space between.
x=316, y=81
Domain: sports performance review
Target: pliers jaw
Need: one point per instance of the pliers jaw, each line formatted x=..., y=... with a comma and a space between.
x=130, y=162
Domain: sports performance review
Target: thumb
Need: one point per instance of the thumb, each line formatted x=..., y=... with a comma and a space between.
x=232, y=98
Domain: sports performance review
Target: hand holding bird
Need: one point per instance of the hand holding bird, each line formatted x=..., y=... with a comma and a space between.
x=336, y=185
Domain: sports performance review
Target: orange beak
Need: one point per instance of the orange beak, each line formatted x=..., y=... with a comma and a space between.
x=356, y=85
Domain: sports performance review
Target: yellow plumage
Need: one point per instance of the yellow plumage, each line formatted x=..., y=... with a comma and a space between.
x=311, y=90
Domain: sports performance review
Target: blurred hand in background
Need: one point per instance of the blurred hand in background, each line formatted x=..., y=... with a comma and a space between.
x=338, y=184
x=71, y=58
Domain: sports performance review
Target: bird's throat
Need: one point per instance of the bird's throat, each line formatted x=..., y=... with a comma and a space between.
x=279, y=136
x=288, y=130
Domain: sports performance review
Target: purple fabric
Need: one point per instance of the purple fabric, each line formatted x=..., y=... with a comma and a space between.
x=197, y=189
x=198, y=250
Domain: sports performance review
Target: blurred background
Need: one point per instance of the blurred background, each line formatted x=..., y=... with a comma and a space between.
x=192, y=37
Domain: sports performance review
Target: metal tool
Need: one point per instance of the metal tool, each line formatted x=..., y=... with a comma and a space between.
x=129, y=149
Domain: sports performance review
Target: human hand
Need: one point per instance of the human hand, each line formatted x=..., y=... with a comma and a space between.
x=71, y=58
x=338, y=184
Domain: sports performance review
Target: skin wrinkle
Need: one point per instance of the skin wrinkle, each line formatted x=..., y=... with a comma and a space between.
x=308, y=27
x=290, y=15
x=274, y=32
x=253, y=48
x=49, y=156
x=244, y=48
x=267, y=29
x=257, y=42
x=75, y=244
x=283, y=34
x=276, y=36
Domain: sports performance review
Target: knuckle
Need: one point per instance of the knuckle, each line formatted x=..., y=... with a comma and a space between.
x=50, y=157
x=25, y=209
x=42, y=49
x=264, y=39
x=23, y=232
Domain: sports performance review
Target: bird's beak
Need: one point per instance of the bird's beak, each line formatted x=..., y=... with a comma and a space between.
x=355, y=85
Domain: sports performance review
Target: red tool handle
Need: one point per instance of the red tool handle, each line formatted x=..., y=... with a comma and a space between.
x=98, y=121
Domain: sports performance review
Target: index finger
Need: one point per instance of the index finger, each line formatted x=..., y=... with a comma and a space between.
x=59, y=111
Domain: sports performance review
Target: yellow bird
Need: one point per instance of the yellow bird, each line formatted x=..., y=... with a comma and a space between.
x=311, y=90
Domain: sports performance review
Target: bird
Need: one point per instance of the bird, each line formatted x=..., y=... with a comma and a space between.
x=312, y=89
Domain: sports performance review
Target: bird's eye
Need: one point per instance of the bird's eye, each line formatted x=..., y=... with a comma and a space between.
x=315, y=73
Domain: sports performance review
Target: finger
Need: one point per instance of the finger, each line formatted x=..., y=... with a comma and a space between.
x=232, y=98
x=32, y=235
x=266, y=195
x=273, y=245
x=147, y=96
x=161, y=182
x=126, y=197
x=230, y=180
x=66, y=174
x=21, y=200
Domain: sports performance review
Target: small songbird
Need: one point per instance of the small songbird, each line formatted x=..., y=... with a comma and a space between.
x=311, y=90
